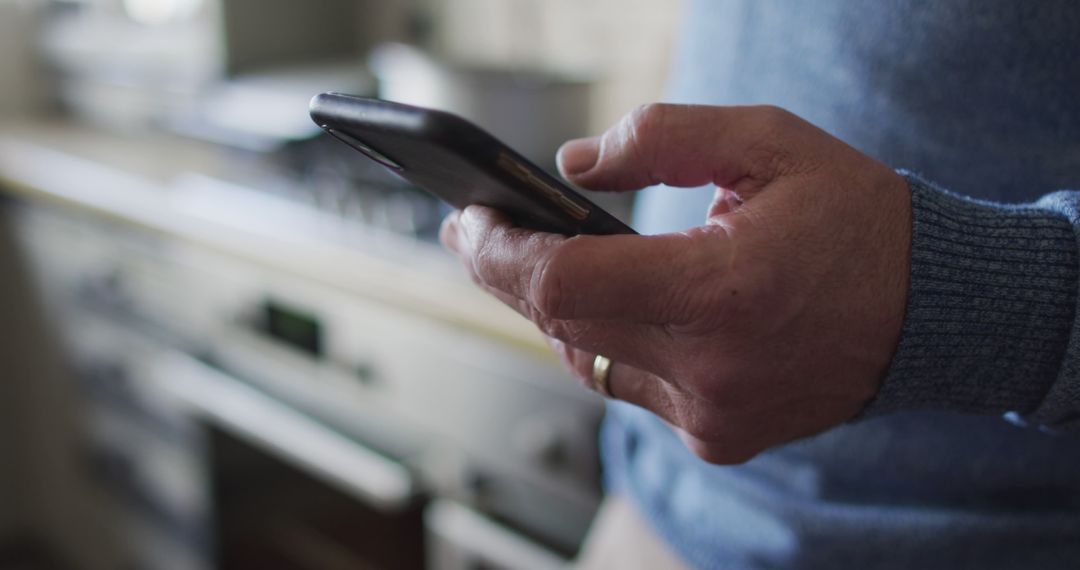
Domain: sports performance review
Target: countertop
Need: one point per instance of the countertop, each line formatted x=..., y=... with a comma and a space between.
x=179, y=187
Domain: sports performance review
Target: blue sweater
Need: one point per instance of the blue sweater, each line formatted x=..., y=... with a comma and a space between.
x=968, y=457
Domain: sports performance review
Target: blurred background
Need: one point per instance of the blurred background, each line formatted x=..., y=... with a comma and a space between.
x=229, y=342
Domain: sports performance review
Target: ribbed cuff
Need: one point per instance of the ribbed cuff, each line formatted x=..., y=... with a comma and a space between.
x=990, y=306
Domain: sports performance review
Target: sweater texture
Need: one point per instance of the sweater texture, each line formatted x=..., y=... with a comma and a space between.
x=969, y=455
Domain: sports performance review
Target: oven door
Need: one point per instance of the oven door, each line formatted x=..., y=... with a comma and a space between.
x=460, y=538
x=287, y=491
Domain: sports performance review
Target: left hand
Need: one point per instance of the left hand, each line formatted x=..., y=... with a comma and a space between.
x=775, y=320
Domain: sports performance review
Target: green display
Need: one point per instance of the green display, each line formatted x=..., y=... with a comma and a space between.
x=296, y=328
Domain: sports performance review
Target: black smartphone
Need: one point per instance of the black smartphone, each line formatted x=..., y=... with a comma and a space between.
x=460, y=163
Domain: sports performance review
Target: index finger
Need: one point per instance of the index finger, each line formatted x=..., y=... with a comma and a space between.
x=648, y=279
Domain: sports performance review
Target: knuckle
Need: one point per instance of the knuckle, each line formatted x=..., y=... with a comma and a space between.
x=546, y=324
x=722, y=455
x=704, y=425
x=485, y=260
x=575, y=362
x=574, y=333
x=774, y=116
x=474, y=276
x=718, y=445
x=710, y=378
x=696, y=374
x=771, y=152
x=710, y=387
x=547, y=289
x=730, y=384
x=647, y=120
x=645, y=125
x=775, y=152
x=550, y=327
x=554, y=328
x=547, y=283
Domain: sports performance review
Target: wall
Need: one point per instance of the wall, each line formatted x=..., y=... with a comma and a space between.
x=14, y=453
x=17, y=89
x=626, y=43
x=18, y=86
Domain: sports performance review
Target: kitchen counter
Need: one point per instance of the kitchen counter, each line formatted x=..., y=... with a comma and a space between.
x=179, y=187
x=386, y=377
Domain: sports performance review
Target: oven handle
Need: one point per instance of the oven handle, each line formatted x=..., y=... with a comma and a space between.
x=231, y=405
x=480, y=540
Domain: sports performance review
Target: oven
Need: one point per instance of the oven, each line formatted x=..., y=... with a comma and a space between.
x=239, y=415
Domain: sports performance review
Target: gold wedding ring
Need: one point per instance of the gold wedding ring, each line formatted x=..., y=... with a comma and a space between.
x=601, y=370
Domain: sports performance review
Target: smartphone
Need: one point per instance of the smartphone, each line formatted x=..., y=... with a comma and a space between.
x=460, y=163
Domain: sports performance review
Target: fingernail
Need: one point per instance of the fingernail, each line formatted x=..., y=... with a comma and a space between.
x=448, y=231
x=467, y=221
x=578, y=156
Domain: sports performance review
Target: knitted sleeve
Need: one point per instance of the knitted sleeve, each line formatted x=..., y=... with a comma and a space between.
x=991, y=323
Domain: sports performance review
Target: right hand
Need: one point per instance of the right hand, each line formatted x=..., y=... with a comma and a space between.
x=775, y=320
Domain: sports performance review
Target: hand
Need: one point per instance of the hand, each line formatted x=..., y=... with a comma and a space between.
x=773, y=321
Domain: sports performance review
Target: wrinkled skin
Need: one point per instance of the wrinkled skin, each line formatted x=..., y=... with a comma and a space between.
x=774, y=320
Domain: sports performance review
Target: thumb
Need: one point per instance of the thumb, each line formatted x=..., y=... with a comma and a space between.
x=678, y=145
